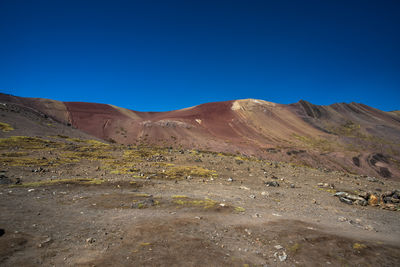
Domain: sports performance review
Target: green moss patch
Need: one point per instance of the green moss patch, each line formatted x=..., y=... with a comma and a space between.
x=25, y=142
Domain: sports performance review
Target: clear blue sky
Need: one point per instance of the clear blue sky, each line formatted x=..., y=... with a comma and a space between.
x=163, y=55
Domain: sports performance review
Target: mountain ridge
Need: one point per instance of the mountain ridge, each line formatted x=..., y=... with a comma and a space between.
x=330, y=136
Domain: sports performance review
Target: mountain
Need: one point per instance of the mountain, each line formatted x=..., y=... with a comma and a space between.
x=348, y=137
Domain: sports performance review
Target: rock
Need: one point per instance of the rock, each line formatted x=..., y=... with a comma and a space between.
x=46, y=241
x=395, y=200
x=387, y=199
x=272, y=183
x=369, y=228
x=342, y=219
x=40, y=169
x=282, y=257
x=143, y=204
x=364, y=195
x=346, y=200
x=388, y=194
x=292, y=186
x=278, y=247
x=4, y=179
x=244, y=188
x=252, y=196
x=341, y=194
x=2, y=231
x=350, y=198
x=373, y=200
x=90, y=240
x=354, y=197
x=230, y=179
x=391, y=207
x=372, y=179
x=238, y=161
x=361, y=202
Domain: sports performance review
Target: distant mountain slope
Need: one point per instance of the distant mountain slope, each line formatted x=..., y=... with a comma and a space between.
x=352, y=137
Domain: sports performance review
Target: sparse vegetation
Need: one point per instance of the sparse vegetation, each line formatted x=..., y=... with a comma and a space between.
x=359, y=246
x=180, y=172
x=5, y=127
x=206, y=203
x=80, y=181
x=240, y=209
x=25, y=142
x=323, y=145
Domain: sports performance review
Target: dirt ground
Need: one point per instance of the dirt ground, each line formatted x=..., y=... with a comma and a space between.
x=68, y=201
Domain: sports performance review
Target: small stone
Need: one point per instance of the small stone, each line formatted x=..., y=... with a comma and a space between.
x=46, y=241
x=364, y=195
x=368, y=228
x=272, y=183
x=230, y=179
x=346, y=200
x=387, y=199
x=373, y=200
x=90, y=240
x=342, y=219
x=252, y=196
x=391, y=207
x=389, y=193
x=278, y=247
x=282, y=257
x=362, y=202
x=292, y=186
x=247, y=231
